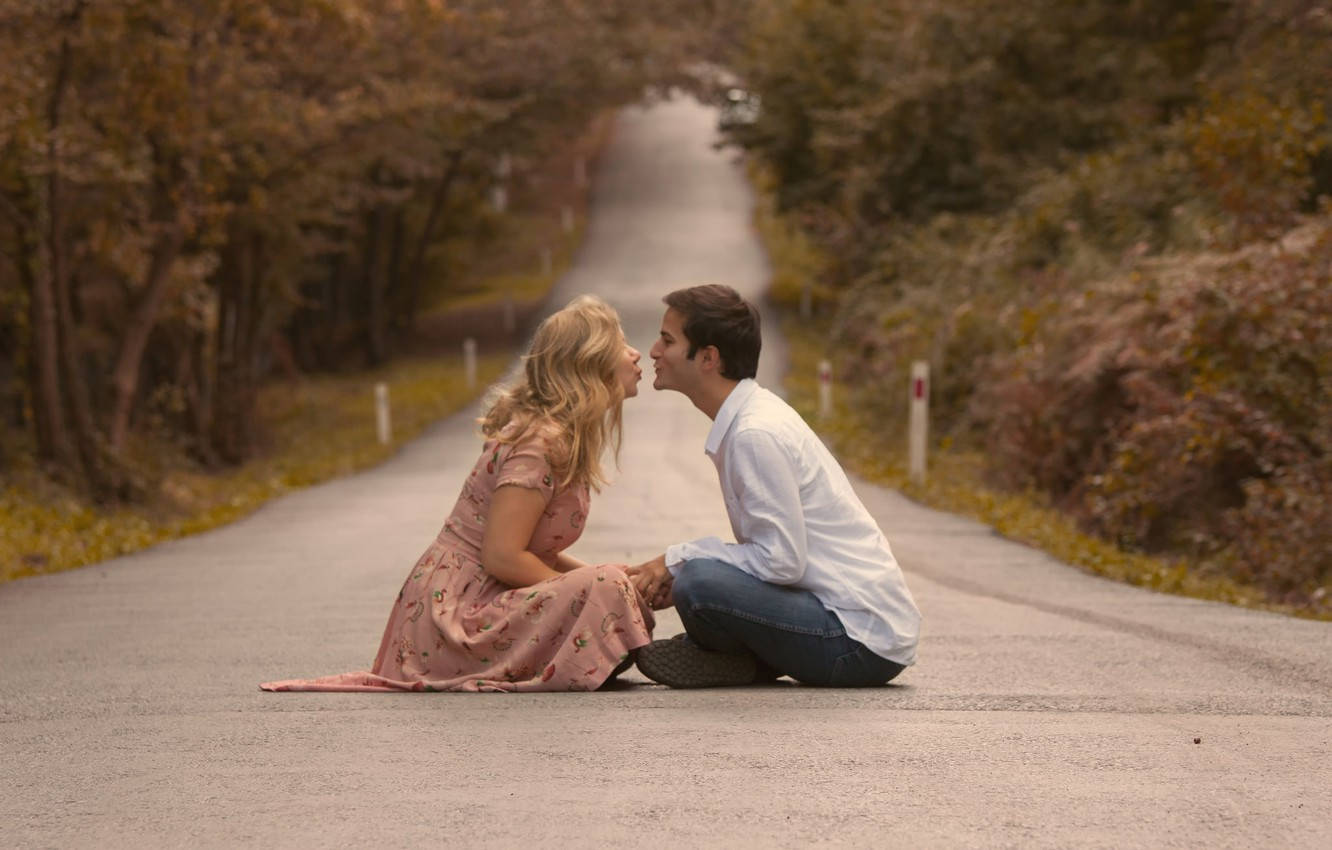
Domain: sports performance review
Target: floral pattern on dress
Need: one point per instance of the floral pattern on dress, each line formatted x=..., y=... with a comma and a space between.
x=564, y=634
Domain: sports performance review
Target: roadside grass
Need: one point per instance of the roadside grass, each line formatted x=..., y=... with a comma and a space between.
x=876, y=451
x=314, y=430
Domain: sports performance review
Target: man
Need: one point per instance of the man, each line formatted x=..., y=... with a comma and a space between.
x=810, y=588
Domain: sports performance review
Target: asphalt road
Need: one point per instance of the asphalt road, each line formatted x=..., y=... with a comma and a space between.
x=1049, y=708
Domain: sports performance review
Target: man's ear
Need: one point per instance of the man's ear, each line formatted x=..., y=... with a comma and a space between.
x=710, y=359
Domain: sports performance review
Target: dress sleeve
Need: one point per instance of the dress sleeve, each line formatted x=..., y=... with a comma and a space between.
x=527, y=464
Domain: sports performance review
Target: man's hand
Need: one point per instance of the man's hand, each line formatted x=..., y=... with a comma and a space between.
x=653, y=581
x=664, y=598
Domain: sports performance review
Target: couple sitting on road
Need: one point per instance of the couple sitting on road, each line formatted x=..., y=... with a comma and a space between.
x=810, y=589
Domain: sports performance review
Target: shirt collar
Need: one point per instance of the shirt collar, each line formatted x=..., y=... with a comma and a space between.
x=727, y=413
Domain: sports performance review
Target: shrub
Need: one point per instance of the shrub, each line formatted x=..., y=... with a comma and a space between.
x=1254, y=152
x=1189, y=407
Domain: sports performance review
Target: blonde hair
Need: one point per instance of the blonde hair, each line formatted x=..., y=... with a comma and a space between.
x=568, y=382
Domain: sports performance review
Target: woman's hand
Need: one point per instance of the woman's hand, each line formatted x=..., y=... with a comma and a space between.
x=653, y=581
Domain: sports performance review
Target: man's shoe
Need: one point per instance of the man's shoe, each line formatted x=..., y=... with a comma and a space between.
x=613, y=679
x=680, y=663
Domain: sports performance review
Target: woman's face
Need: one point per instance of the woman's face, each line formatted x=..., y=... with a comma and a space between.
x=627, y=372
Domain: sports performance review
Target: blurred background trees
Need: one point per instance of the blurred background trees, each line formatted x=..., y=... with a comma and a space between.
x=1105, y=224
x=194, y=190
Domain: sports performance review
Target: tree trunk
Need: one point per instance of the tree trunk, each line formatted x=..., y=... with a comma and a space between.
x=228, y=426
x=393, y=278
x=198, y=383
x=104, y=478
x=417, y=266
x=53, y=437
x=135, y=341
x=372, y=281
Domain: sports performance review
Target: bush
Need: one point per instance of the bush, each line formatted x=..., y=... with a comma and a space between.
x=1188, y=408
x=1254, y=152
x=1025, y=195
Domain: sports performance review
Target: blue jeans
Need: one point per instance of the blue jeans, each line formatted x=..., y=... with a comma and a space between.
x=790, y=632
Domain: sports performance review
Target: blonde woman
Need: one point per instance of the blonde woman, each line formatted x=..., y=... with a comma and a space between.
x=496, y=603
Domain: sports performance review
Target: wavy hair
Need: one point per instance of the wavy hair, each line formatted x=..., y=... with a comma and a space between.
x=568, y=382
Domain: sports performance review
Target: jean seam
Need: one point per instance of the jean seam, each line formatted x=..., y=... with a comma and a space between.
x=787, y=627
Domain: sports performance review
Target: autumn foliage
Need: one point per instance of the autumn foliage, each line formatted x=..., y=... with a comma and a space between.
x=1186, y=408
x=1105, y=225
x=193, y=192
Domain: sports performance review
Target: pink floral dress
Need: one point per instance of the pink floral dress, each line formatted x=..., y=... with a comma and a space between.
x=454, y=627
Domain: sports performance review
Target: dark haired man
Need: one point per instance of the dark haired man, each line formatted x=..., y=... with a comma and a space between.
x=810, y=588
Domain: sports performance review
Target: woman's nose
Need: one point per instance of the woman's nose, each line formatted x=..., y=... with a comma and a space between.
x=634, y=354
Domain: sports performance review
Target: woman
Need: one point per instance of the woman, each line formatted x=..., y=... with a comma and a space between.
x=495, y=603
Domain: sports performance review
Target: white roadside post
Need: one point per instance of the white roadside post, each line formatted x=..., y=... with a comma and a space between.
x=825, y=389
x=382, y=424
x=920, y=419
x=469, y=361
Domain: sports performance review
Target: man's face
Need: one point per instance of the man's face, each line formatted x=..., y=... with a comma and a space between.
x=675, y=371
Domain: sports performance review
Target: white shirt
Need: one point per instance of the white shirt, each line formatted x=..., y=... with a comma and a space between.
x=797, y=521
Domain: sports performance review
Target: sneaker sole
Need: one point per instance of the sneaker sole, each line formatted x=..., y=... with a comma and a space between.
x=682, y=665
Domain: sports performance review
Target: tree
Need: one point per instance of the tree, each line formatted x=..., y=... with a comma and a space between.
x=186, y=185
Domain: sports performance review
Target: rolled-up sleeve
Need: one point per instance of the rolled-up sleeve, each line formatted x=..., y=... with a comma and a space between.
x=763, y=500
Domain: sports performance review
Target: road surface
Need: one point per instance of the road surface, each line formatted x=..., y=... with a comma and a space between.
x=1049, y=708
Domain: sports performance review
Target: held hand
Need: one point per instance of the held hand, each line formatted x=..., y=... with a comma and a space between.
x=665, y=597
x=650, y=577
